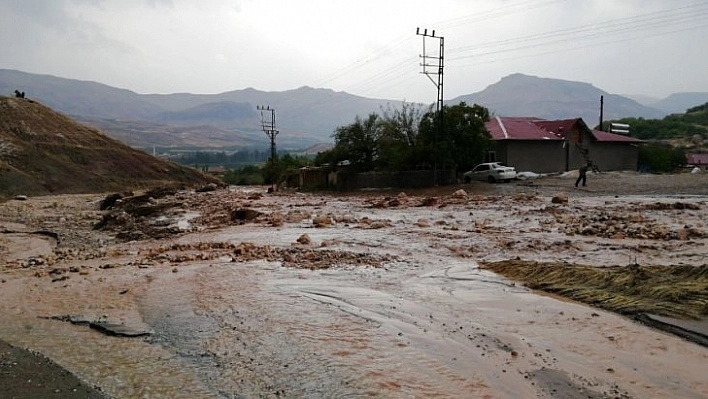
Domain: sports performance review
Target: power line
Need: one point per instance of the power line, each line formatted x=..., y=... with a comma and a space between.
x=387, y=75
x=621, y=25
x=689, y=17
x=575, y=47
x=396, y=71
x=503, y=11
x=374, y=56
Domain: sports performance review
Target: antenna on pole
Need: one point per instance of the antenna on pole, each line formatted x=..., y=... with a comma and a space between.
x=429, y=68
x=268, y=126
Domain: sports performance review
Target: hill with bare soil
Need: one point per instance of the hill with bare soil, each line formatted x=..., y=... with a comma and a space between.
x=44, y=152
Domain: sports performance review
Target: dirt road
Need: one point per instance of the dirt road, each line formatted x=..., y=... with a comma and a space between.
x=232, y=293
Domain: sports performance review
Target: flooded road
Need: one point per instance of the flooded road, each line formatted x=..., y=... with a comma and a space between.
x=402, y=311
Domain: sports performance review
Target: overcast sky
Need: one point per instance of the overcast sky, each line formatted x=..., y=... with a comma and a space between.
x=364, y=47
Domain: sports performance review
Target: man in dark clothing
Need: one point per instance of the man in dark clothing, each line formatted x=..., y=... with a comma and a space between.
x=583, y=171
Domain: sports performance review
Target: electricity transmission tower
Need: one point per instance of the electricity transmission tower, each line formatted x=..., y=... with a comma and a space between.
x=268, y=126
x=433, y=65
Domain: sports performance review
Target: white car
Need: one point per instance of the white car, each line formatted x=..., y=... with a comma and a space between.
x=491, y=172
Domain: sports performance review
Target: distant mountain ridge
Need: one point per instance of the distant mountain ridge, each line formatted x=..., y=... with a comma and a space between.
x=220, y=113
x=642, y=99
x=555, y=99
x=680, y=102
x=304, y=116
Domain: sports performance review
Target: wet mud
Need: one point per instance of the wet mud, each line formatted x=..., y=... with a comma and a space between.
x=373, y=294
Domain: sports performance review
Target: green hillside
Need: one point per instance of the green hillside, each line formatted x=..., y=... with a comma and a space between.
x=688, y=130
x=669, y=139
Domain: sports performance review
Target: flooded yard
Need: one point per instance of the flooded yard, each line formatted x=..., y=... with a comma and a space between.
x=376, y=294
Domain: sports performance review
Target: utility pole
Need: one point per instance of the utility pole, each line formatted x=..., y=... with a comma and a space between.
x=430, y=67
x=268, y=126
x=602, y=109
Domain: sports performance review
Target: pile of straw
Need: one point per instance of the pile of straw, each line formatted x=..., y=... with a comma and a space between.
x=674, y=291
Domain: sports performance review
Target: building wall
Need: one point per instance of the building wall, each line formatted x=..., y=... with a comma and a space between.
x=350, y=181
x=322, y=178
x=314, y=179
x=615, y=156
x=498, y=153
x=540, y=156
x=532, y=155
x=579, y=150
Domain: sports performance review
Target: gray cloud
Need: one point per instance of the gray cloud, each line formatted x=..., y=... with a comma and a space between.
x=367, y=47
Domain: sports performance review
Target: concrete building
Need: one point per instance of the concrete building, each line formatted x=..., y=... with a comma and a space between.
x=543, y=146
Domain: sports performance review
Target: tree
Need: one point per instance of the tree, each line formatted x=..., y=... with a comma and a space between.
x=247, y=175
x=698, y=108
x=358, y=142
x=399, y=146
x=659, y=158
x=464, y=139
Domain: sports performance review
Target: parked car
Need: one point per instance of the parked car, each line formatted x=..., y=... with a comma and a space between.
x=491, y=172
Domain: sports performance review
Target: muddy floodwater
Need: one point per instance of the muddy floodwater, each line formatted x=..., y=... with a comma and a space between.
x=363, y=295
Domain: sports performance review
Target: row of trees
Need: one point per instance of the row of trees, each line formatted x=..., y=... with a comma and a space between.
x=396, y=140
x=223, y=158
x=285, y=169
x=408, y=139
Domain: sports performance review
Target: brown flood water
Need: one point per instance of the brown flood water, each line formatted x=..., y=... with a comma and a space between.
x=429, y=323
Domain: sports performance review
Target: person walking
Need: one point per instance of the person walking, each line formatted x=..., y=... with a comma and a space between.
x=582, y=174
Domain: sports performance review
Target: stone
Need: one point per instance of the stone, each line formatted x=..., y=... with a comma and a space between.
x=276, y=219
x=322, y=221
x=207, y=188
x=560, y=198
x=683, y=234
x=244, y=214
x=460, y=194
x=346, y=219
x=304, y=239
x=429, y=201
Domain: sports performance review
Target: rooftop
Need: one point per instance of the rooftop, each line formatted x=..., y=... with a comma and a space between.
x=528, y=128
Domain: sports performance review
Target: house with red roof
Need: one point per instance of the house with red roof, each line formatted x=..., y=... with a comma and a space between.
x=543, y=146
x=698, y=159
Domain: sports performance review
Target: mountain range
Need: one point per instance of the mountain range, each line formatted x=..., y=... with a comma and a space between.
x=304, y=116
